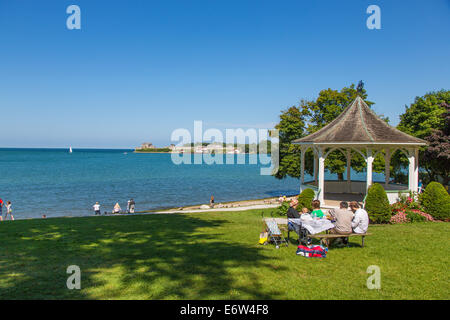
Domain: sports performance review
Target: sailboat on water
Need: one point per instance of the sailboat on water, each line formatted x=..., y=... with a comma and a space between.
x=70, y=149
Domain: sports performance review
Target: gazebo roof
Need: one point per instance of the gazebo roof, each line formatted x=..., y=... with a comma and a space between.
x=358, y=124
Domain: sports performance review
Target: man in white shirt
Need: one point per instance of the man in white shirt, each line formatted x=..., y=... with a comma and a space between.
x=96, y=208
x=360, y=221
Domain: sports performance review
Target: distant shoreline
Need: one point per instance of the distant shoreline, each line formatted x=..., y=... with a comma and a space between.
x=241, y=205
x=193, y=152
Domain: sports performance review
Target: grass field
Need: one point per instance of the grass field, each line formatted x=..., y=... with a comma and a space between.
x=212, y=256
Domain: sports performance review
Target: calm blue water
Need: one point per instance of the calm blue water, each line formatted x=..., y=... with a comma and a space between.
x=56, y=183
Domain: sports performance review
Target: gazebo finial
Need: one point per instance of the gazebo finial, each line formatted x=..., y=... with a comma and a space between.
x=360, y=87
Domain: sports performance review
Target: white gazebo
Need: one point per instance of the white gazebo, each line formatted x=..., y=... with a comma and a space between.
x=359, y=129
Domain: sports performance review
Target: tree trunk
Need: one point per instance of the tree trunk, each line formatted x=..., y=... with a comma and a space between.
x=340, y=176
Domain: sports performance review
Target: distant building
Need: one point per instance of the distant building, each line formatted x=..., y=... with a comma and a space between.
x=146, y=145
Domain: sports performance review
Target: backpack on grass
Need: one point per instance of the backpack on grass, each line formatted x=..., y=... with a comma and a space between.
x=312, y=251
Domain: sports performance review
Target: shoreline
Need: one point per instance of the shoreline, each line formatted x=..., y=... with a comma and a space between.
x=239, y=205
x=195, y=152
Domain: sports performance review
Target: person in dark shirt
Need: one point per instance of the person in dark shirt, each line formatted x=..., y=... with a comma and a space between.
x=292, y=211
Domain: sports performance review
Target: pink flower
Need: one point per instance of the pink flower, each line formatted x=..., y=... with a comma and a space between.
x=400, y=217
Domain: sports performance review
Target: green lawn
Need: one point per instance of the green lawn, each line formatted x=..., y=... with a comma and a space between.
x=212, y=256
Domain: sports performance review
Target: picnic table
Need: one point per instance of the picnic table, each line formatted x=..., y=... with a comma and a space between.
x=315, y=227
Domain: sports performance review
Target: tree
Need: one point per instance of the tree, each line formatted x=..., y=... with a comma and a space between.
x=291, y=127
x=428, y=118
x=310, y=116
x=437, y=154
x=326, y=108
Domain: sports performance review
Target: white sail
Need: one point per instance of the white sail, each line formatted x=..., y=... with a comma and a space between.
x=70, y=149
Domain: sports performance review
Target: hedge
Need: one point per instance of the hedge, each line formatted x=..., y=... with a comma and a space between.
x=436, y=201
x=305, y=198
x=377, y=204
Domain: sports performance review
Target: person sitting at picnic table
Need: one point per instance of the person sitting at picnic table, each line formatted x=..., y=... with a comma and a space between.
x=292, y=211
x=316, y=213
x=342, y=218
x=360, y=221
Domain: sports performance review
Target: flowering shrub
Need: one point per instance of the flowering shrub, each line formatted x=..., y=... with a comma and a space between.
x=399, y=217
x=401, y=213
x=410, y=201
x=426, y=216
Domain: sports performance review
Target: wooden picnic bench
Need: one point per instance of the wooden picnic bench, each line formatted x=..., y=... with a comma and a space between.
x=324, y=237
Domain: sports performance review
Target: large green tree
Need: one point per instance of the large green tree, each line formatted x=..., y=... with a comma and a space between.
x=291, y=127
x=310, y=116
x=425, y=114
x=428, y=118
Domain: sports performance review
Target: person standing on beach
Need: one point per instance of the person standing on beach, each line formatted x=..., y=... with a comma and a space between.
x=132, y=205
x=9, y=210
x=97, y=209
x=1, y=209
x=128, y=206
x=211, y=202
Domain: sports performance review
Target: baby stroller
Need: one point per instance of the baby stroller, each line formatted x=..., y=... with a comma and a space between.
x=274, y=233
x=303, y=233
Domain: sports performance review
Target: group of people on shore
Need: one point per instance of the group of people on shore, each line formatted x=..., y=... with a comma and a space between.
x=117, y=209
x=355, y=220
x=8, y=206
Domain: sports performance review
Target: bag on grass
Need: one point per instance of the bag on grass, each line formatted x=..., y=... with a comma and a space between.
x=312, y=251
x=263, y=237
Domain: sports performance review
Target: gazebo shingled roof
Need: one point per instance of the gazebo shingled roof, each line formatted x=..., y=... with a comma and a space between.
x=359, y=124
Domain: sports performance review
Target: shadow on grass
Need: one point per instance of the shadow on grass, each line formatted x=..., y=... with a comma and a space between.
x=143, y=257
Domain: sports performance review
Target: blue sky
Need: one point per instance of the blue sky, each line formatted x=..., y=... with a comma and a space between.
x=137, y=70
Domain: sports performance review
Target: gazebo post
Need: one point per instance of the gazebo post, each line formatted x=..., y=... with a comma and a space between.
x=349, y=181
x=302, y=168
x=369, y=160
x=316, y=164
x=321, y=183
x=387, y=166
x=416, y=169
x=412, y=183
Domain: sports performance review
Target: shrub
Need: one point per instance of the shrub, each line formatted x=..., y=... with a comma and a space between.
x=399, y=217
x=415, y=217
x=402, y=214
x=305, y=198
x=436, y=201
x=377, y=204
x=410, y=200
x=426, y=216
x=282, y=209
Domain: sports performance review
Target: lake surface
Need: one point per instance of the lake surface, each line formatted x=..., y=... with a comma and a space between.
x=57, y=183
